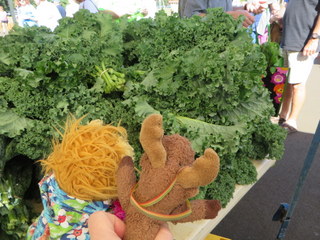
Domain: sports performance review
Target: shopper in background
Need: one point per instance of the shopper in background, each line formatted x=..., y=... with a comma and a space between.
x=188, y=8
x=132, y=8
x=151, y=7
x=260, y=28
x=71, y=8
x=47, y=14
x=60, y=8
x=276, y=22
x=300, y=42
x=89, y=5
x=103, y=225
x=26, y=13
x=4, y=20
x=147, y=8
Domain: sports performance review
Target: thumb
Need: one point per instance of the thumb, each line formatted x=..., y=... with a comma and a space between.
x=119, y=226
x=102, y=224
x=164, y=233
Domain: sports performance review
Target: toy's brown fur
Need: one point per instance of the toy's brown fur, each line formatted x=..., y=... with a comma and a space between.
x=174, y=158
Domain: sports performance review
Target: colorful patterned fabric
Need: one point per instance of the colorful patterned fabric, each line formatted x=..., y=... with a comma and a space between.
x=63, y=217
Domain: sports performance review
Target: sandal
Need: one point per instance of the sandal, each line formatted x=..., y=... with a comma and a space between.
x=291, y=128
x=281, y=121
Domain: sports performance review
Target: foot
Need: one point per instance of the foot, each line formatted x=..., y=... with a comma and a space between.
x=277, y=120
x=281, y=121
x=290, y=126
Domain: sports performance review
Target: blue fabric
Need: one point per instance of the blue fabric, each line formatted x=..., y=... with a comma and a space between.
x=63, y=217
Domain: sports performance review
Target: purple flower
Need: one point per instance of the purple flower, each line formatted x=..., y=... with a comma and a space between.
x=278, y=98
x=278, y=78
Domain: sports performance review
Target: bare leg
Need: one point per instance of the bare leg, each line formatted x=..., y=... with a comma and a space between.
x=286, y=101
x=298, y=78
x=298, y=97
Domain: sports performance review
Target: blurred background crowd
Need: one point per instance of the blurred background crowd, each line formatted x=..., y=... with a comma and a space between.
x=48, y=12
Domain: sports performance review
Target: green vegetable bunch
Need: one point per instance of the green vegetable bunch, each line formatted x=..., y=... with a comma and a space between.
x=113, y=80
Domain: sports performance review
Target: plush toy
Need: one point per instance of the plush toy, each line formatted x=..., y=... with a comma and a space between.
x=169, y=177
x=79, y=179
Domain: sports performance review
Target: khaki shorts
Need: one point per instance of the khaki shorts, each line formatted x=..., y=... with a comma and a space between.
x=300, y=66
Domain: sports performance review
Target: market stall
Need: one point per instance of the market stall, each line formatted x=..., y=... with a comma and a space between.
x=202, y=74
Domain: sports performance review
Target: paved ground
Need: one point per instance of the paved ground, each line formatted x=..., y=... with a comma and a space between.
x=310, y=113
x=251, y=218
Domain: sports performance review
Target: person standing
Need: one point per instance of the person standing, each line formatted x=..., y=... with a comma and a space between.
x=47, y=14
x=134, y=9
x=71, y=8
x=300, y=42
x=26, y=14
x=89, y=5
x=260, y=28
x=188, y=8
x=4, y=20
x=60, y=8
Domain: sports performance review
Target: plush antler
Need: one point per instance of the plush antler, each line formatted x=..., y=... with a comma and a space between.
x=151, y=135
x=202, y=171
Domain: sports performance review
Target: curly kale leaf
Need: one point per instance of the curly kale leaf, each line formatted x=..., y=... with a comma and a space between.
x=14, y=216
x=224, y=181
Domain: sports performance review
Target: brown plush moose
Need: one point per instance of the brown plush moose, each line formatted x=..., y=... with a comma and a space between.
x=169, y=177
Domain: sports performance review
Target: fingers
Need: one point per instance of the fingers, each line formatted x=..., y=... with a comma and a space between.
x=119, y=226
x=102, y=224
x=261, y=8
x=311, y=47
x=164, y=233
x=249, y=7
x=249, y=19
x=308, y=52
x=256, y=8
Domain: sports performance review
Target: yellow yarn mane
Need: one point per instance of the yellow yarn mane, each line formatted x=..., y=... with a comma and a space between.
x=86, y=161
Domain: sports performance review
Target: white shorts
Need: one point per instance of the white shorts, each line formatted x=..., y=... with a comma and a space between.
x=300, y=66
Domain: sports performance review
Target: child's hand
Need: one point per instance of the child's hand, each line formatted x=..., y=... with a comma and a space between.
x=164, y=233
x=103, y=226
x=106, y=226
x=257, y=7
